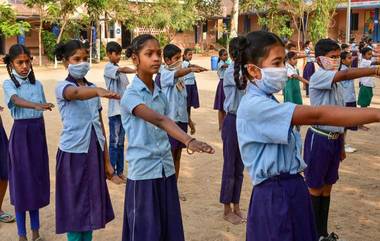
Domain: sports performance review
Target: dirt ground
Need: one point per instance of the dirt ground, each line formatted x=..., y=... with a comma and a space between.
x=355, y=207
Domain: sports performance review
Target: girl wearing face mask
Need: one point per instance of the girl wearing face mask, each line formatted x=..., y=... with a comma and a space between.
x=29, y=161
x=280, y=207
x=82, y=200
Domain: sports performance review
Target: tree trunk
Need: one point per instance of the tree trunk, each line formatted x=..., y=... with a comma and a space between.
x=59, y=39
x=40, y=39
x=62, y=29
x=234, y=19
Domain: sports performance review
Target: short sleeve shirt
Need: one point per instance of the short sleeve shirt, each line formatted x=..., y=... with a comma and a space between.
x=78, y=117
x=27, y=91
x=269, y=145
x=324, y=92
x=232, y=93
x=116, y=82
x=148, y=150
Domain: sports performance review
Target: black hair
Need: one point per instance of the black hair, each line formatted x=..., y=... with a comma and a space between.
x=14, y=51
x=113, y=47
x=186, y=51
x=306, y=44
x=343, y=56
x=290, y=45
x=252, y=49
x=170, y=50
x=138, y=43
x=325, y=46
x=344, y=46
x=365, y=50
x=233, y=47
x=291, y=55
x=220, y=53
x=64, y=51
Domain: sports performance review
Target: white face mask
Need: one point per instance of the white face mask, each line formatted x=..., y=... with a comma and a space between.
x=17, y=75
x=273, y=79
x=79, y=71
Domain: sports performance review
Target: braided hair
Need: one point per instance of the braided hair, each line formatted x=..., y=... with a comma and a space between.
x=14, y=51
x=252, y=49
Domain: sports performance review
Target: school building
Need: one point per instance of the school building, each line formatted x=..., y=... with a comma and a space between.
x=364, y=22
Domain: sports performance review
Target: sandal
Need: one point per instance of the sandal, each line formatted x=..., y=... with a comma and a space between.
x=7, y=218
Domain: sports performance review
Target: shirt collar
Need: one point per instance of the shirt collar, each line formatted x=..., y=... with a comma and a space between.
x=140, y=85
x=71, y=79
x=252, y=89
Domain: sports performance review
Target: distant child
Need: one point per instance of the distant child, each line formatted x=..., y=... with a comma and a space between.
x=324, y=143
x=82, y=201
x=220, y=97
x=309, y=68
x=366, y=83
x=29, y=183
x=191, y=88
x=4, y=217
x=152, y=209
x=349, y=95
x=280, y=207
x=232, y=176
x=116, y=81
x=292, y=90
x=173, y=87
x=345, y=48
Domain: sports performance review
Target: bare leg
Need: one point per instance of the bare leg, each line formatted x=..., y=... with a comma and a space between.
x=238, y=212
x=221, y=116
x=230, y=216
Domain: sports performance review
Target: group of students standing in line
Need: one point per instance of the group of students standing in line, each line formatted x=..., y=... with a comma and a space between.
x=258, y=133
x=263, y=135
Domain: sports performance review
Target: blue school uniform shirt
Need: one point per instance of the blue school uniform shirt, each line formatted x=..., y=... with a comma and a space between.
x=78, y=118
x=27, y=91
x=269, y=145
x=175, y=91
x=348, y=88
x=221, y=70
x=115, y=82
x=189, y=78
x=148, y=150
x=232, y=93
x=324, y=92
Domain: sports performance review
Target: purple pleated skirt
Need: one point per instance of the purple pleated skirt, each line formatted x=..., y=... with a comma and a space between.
x=3, y=154
x=176, y=144
x=152, y=211
x=192, y=96
x=29, y=182
x=281, y=210
x=82, y=199
x=309, y=70
x=219, y=97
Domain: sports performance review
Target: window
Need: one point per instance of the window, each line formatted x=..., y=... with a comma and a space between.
x=205, y=27
x=112, y=29
x=247, y=24
x=354, y=21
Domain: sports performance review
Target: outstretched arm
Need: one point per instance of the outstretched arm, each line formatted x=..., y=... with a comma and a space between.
x=163, y=122
x=85, y=93
x=355, y=73
x=335, y=116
